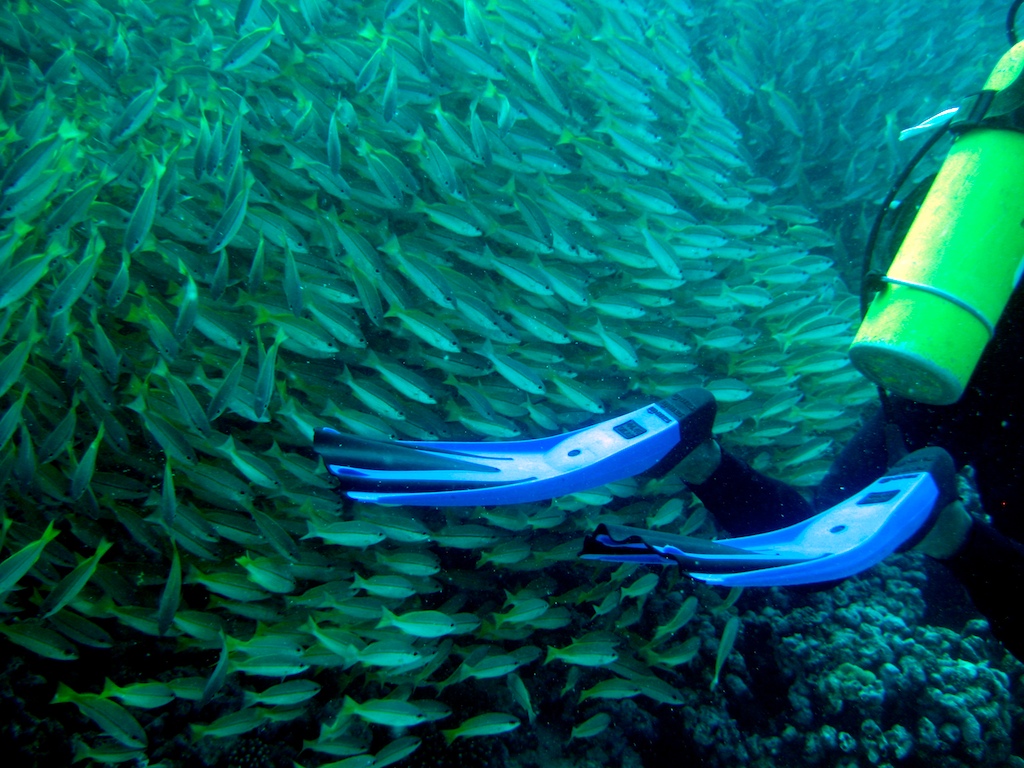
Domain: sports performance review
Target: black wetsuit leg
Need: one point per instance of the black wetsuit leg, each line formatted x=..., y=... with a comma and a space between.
x=745, y=502
x=862, y=461
x=991, y=567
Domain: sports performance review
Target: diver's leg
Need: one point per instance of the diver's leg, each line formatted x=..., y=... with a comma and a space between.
x=862, y=461
x=746, y=502
x=991, y=566
x=742, y=500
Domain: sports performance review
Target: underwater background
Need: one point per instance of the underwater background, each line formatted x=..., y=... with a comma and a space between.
x=227, y=223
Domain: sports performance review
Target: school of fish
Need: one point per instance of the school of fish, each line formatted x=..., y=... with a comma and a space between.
x=225, y=224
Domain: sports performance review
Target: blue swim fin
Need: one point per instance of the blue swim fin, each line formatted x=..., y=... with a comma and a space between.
x=890, y=515
x=426, y=473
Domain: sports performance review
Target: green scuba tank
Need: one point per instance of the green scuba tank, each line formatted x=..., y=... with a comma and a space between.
x=925, y=331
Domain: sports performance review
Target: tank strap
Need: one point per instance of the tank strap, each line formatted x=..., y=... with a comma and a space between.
x=1003, y=109
x=972, y=112
x=973, y=311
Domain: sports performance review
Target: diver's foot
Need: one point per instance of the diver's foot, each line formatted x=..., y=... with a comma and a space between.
x=948, y=534
x=698, y=467
x=694, y=408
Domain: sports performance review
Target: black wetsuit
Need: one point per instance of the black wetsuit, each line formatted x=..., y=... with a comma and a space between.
x=984, y=429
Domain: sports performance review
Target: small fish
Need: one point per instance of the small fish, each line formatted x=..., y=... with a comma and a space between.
x=283, y=694
x=385, y=585
x=523, y=612
x=225, y=391
x=419, y=623
x=592, y=727
x=230, y=222
x=107, y=753
x=427, y=278
x=390, y=712
x=521, y=695
x=455, y=134
x=397, y=750
x=170, y=596
x=83, y=471
x=641, y=586
x=274, y=576
x=454, y=219
x=440, y=170
x=725, y=645
x=674, y=656
x=26, y=169
x=474, y=59
x=657, y=689
x=119, y=285
x=476, y=29
x=578, y=394
x=188, y=406
x=481, y=142
x=219, y=673
x=488, y=724
x=247, y=10
x=404, y=380
x=525, y=276
x=375, y=398
x=113, y=719
x=430, y=329
x=686, y=612
x=518, y=374
x=812, y=449
x=620, y=349
x=33, y=636
x=144, y=213
x=508, y=552
x=368, y=72
x=488, y=668
x=398, y=526
x=174, y=443
x=248, y=48
x=416, y=564
x=391, y=653
x=136, y=113
x=389, y=102
x=12, y=419
x=662, y=254
x=616, y=688
x=725, y=338
x=264, y=387
x=466, y=536
x=234, y=724
x=666, y=513
x=540, y=324
x=19, y=563
x=17, y=281
x=142, y=695
x=584, y=653
x=67, y=589
x=347, y=533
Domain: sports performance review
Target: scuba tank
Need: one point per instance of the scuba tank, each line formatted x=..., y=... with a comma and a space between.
x=961, y=259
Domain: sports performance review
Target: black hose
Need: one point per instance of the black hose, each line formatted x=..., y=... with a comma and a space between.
x=866, y=284
x=1011, y=21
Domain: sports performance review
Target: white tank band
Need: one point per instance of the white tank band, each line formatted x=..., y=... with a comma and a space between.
x=974, y=311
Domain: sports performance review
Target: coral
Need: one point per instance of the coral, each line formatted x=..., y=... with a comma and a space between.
x=867, y=678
